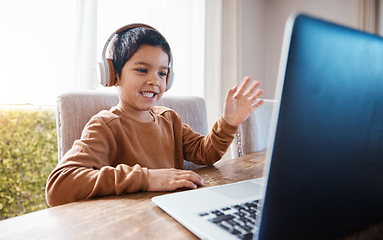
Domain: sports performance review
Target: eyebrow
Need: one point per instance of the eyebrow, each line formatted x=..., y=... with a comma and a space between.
x=149, y=65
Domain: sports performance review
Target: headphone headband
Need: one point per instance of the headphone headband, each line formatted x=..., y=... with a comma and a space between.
x=106, y=66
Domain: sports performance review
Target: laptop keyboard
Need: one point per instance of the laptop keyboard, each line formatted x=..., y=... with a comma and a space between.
x=238, y=220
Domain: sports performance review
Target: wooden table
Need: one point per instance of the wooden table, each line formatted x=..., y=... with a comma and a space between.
x=130, y=216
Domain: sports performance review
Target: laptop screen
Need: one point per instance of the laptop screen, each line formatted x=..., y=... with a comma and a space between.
x=326, y=172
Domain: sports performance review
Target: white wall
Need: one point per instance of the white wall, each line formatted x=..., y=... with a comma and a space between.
x=213, y=56
x=276, y=13
x=244, y=37
x=380, y=18
x=251, y=40
x=252, y=28
x=262, y=28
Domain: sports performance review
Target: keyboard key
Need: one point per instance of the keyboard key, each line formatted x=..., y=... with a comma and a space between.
x=247, y=236
x=238, y=220
x=221, y=218
x=203, y=214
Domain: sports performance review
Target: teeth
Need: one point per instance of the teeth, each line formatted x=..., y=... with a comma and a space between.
x=148, y=94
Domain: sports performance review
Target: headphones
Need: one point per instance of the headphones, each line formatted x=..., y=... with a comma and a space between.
x=106, y=66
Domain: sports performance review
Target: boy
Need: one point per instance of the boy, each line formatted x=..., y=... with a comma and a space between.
x=137, y=146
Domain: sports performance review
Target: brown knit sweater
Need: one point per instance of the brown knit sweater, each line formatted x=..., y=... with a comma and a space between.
x=115, y=151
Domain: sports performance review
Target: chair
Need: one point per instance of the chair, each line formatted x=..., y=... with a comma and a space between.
x=252, y=135
x=74, y=109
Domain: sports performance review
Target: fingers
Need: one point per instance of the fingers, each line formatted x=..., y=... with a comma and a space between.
x=185, y=184
x=259, y=103
x=241, y=104
x=252, y=91
x=231, y=92
x=257, y=93
x=172, y=179
x=252, y=88
x=187, y=178
x=243, y=86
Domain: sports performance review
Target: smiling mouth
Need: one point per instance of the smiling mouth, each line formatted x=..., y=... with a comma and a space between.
x=148, y=94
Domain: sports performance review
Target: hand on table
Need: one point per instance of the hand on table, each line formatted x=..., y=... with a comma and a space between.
x=172, y=179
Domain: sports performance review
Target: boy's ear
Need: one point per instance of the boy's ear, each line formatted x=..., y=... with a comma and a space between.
x=117, y=80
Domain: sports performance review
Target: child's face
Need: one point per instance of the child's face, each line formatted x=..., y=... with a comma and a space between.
x=143, y=78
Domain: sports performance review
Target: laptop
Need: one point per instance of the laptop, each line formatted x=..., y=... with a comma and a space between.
x=323, y=175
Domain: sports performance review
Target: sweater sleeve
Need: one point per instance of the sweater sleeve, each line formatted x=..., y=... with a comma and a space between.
x=210, y=148
x=86, y=169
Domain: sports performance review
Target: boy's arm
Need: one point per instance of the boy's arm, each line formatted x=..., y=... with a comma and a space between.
x=85, y=170
x=210, y=148
x=240, y=103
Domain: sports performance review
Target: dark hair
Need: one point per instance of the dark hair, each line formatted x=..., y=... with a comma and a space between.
x=126, y=44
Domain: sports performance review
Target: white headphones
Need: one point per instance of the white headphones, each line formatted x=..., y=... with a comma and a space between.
x=107, y=71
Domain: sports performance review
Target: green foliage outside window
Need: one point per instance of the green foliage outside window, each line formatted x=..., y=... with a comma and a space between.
x=28, y=153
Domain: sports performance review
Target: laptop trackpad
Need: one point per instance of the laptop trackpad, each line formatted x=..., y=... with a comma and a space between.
x=240, y=190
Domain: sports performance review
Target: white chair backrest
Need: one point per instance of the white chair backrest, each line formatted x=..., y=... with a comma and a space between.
x=74, y=110
x=253, y=134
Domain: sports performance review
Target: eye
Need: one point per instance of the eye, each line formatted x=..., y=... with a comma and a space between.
x=163, y=74
x=141, y=70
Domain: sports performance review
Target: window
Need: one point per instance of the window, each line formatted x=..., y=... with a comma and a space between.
x=37, y=49
x=43, y=41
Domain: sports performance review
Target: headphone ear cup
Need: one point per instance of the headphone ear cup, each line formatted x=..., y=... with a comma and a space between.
x=112, y=73
x=107, y=73
x=102, y=74
x=170, y=79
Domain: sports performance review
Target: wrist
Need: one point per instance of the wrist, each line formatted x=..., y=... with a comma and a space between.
x=228, y=121
x=228, y=124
